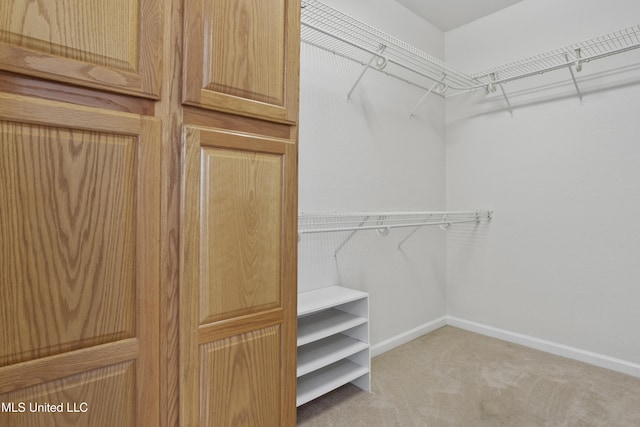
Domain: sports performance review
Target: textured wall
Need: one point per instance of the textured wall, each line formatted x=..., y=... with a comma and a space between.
x=560, y=260
x=368, y=155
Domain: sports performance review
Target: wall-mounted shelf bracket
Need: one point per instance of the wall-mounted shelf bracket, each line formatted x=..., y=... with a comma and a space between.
x=349, y=237
x=408, y=236
x=573, y=76
x=377, y=61
x=442, y=87
x=333, y=31
x=384, y=221
x=491, y=87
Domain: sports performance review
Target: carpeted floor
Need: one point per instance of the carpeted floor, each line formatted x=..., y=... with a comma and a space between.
x=452, y=377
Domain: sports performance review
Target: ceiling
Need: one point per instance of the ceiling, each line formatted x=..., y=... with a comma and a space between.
x=450, y=14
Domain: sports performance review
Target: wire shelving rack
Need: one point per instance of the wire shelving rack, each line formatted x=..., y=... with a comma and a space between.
x=382, y=222
x=339, y=33
x=335, y=222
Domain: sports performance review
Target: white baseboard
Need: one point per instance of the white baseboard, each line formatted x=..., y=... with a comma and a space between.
x=405, y=337
x=596, y=359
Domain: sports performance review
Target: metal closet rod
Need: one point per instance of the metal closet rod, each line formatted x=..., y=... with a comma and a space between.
x=383, y=226
x=479, y=85
x=323, y=223
x=326, y=20
x=386, y=59
x=383, y=221
x=566, y=64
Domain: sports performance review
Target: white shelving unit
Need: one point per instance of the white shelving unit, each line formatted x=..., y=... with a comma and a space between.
x=331, y=30
x=333, y=341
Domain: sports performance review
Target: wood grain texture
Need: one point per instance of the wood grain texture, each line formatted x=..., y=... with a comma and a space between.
x=290, y=282
x=169, y=111
x=54, y=91
x=113, y=45
x=67, y=254
x=241, y=233
x=221, y=120
x=109, y=394
x=189, y=406
x=255, y=169
x=25, y=109
x=240, y=379
x=147, y=257
x=79, y=256
x=239, y=325
x=241, y=56
x=249, y=36
x=47, y=369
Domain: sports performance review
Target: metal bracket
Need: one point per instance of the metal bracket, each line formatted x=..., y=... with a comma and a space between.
x=431, y=89
x=491, y=87
x=381, y=62
x=407, y=237
x=573, y=77
x=335, y=254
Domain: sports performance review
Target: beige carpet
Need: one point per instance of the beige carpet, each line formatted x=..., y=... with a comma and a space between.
x=452, y=377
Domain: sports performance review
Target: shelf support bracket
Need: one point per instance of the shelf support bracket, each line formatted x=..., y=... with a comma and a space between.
x=431, y=89
x=408, y=236
x=349, y=237
x=507, y=100
x=573, y=76
x=366, y=68
x=491, y=87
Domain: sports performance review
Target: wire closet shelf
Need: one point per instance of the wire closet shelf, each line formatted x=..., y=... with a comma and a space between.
x=336, y=32
x=383, y=221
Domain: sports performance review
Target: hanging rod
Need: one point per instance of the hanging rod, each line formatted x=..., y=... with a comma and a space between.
x=336, y=32
x=383, y=221
x=576, y=55
x=354, y=221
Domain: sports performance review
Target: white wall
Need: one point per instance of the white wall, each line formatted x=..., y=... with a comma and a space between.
x=368, y=155
x=561, y=260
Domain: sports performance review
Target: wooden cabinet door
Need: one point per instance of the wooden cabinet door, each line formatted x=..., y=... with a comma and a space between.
x=238, y=279
x=79, y=265
x=242, y=56
x=113, y=45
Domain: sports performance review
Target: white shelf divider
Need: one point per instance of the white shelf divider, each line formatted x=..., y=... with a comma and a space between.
x=324, y=298
x=322, y=353
x=326, y=323
x=326, y=379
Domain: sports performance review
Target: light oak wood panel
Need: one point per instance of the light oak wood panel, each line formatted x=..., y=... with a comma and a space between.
x=241, y=233
x=109, y=44
x=79, y=222
x=242, y=56
x=244, y=157
x=103, y=397
x=33, y=372
x=67, y=252
x=249, y=36
x=240, y=325
x=240, y=379
x=55, y=91
x=169, y=111
x=208, y=118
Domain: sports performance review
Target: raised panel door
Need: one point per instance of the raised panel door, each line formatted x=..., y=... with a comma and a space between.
x=242, y=56
x=238, y=288
x=79, y=261
x=113, y=45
